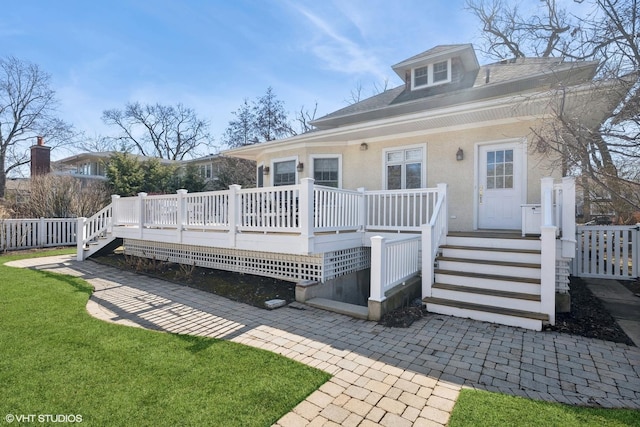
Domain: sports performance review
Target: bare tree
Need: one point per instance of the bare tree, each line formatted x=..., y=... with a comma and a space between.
x=304, y=118
x=55, y=196
x=160, y=130
x=605, y=153
x=27, y=109
x=357, y=93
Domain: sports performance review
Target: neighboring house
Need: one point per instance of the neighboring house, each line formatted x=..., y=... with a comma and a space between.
x=94, y=165
x=442, y=175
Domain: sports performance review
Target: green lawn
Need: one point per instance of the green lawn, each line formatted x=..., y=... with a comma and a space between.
x=56, y=359
x=481, y=408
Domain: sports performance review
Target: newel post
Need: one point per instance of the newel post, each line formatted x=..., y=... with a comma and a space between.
x=114, y=211
x=378, y=268
x=234, y=213
x=80, y=237
x=306, y=212
x=548, y=272
x=182, y=213
x=546, y=195
x=141, y=217
x=427, y=260
x=362, y=206
x=442, y=192
x=568, y=217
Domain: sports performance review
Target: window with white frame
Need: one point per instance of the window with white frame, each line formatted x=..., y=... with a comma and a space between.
x=326, y=171
x=404, y=168
x=284, y=173
x=206, y=171
x=431, y=74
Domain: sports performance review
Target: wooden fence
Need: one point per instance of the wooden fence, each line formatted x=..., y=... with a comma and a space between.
x=607, y=251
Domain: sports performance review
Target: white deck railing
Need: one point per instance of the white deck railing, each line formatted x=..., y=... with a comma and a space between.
x=271, y=209
x=37, y=233
x=303, y=209
x=392, y=263
x=337, y=210
x=207, y=211
x=403, y=210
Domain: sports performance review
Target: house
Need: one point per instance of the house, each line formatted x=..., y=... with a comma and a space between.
x=436, y=188
x=93, y=165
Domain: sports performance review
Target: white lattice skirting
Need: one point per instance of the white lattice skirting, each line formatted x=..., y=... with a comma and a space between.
x=316, y=267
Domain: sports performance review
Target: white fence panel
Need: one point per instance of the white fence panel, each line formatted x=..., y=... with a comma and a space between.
x=607, y=251
x=37, y=233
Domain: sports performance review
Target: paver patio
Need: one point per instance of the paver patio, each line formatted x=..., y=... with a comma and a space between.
x=381, y=376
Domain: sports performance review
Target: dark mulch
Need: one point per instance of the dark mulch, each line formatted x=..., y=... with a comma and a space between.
x=588, y=317
x=405, y=316
x=246, y=288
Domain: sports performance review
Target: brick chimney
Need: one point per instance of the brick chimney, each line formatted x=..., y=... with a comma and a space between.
x=40, y=158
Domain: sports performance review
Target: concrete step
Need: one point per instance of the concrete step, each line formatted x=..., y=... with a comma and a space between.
x=492, y=254
x=357, y=311
x=503, y=268
x=504, y=316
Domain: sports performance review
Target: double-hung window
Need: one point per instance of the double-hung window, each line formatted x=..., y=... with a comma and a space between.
x=431, y=74
x=404, y=168
x=284, y=173
x=326, y=171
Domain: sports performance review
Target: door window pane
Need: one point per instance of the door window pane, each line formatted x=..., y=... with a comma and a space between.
x=500, y=169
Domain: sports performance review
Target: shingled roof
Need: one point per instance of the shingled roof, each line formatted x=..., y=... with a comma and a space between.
x=488, y=81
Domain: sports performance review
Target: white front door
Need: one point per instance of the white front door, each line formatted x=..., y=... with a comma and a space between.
x=500, y=186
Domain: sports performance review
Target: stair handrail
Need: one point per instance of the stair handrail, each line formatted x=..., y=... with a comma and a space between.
x=434, y=235
x=99, y=223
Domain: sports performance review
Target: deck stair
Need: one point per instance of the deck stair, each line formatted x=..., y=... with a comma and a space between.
x=493, y=277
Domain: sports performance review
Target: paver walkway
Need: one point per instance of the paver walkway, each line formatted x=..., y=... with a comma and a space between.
x=381, y=376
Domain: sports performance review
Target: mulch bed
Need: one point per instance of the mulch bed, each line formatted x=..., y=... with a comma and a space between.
x=588, y=317
x=245, y=288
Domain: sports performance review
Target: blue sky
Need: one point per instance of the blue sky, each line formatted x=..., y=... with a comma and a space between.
x=211, y=55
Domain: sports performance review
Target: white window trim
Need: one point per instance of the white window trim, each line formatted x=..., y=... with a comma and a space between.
x=258, y=166
x=272, y=168
x=326, y=156
x=430, y=75
x=423, y=178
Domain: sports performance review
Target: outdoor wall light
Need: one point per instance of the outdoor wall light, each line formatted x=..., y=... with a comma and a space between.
x=265, y=170
x=459, y=154
x=364, y=146
x=300, y=167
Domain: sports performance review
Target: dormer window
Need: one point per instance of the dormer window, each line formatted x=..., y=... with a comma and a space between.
x=431, y=75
